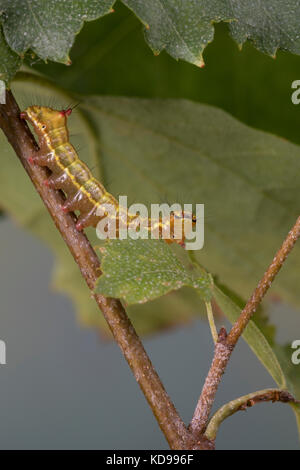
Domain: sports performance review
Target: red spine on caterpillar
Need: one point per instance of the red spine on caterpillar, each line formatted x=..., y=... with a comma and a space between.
x=66, y=112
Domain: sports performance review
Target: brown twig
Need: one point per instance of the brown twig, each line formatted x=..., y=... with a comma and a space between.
x=175, y=431
x=244, y=402
x=226, y=343
x=207, y=397
x=264, y=284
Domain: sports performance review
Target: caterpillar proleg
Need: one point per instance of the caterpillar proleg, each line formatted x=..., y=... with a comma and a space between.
x=83, y=192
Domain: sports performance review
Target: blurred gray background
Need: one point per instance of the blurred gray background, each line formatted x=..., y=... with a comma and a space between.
x=65, y=388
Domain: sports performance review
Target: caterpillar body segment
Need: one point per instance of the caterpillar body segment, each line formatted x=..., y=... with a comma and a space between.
x=84, y=193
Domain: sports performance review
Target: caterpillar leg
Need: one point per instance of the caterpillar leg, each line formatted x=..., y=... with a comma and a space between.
x=40, y=159
x=87, y=219
x=59, y=182
x=76, y=201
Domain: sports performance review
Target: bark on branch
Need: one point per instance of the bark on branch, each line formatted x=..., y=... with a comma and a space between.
x=244, y=402
x=226, y=343
x=22, y=140
x=171, y=424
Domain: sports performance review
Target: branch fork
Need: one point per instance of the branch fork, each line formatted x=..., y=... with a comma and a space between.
x=197, y=435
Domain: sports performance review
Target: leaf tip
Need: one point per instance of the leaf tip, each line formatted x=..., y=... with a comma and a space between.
x=200, y=63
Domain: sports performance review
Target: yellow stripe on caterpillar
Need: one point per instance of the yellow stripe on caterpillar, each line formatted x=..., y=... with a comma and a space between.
x=68, y=173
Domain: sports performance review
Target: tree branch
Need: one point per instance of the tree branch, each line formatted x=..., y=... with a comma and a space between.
x=207, y=397
x=244, y=402
x=264, y=284
x=175, y=431
x=226, y=343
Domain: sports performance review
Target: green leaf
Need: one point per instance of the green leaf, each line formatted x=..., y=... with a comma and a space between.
x=176, y=150
x=276, y=360
x=260, y=317
x=26, y=208
x=292, y=374
x=291, y=371
x=296, y=408
x=168, y=150
x=142, y=270
x=269, y=25
x=48, y=27
x=253, y=336
x=184, y=28
x=234, y=80
x=176, y=308
x=10, y=61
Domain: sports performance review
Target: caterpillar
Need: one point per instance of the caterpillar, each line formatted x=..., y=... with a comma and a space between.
x=83, y=192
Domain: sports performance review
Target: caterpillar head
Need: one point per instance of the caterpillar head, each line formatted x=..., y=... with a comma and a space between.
x=45, y=119
x=48, y=124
